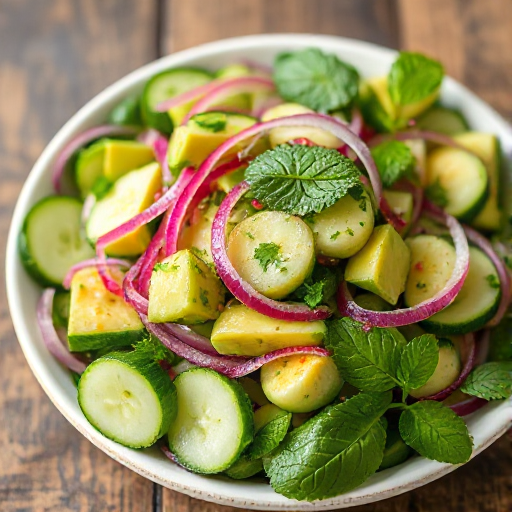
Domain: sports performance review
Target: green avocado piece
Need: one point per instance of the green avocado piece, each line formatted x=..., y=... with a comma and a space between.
x=183, y=289
x=243, y=331
x=99, y=319
x=395, y=451
x=382, y=265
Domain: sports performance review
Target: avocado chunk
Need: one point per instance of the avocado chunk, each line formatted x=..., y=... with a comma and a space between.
x=183, y=289
x=190, y=144
x=486, y=146
x=301, y=382
x=243, y=331
x=130, y=195
x=99, y=319
x=382, y=265
x=110, y=159
x=402, y=204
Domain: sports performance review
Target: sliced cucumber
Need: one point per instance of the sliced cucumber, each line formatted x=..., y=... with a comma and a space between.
x=442, y=120
x=51, y=240
x=128, y=398
x=60, y=313
x=475, y=304
x=254, y=391
x=127, y=112
x=395, y=451
x=214, y=422
x=273, y=251
x=165, y=85
x=342, y=229
x=457, y=181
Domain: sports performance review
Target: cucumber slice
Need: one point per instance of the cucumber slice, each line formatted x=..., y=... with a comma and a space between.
x=51, y=241
x=395, y=451
x=214, y=422
x=273, y=251
x=128, y=398
x=127, y=112
x=442, y=120
x=457, y=181
x=165, y=85
x=60, y=313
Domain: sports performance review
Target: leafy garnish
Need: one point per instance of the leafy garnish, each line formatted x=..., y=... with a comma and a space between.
x=413, y=77
x=268, y=254
x=394, y=160
x=334, y=236
x=316, y=79
x=301, y=179
x=101, y=187
x=155, y=350
x=436, y=432
x=490, y=381
x=211, y=121
x=269, y=437
x=165, y=267
x=437, y=193
x=493, y=281
x=203, y=295
x=333, y=452
x=318, y=288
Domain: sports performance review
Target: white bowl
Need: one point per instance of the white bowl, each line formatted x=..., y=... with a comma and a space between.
x=486, y=425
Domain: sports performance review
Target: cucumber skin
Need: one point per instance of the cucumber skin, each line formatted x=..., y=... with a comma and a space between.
x=476, y=208
x=30, y=265
x=246, y=417
x=152, y=372
x=100, y=341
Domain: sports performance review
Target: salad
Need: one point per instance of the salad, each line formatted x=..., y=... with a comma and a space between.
x=288, y=272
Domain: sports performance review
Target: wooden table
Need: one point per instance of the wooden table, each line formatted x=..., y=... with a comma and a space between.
x=57, y=54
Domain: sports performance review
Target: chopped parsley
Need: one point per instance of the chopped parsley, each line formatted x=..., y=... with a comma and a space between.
x=249, y=235
x=349, y=232
x=268, y=254
x=334, y=236
x=203, y=295
x=493, y=281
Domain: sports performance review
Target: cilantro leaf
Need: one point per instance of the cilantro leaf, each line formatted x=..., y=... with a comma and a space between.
x=333, y=452
x=155, y=350
x=269, y=437
x=268, y=254
x=318, y=288
x=490, y=381
x=418, y=361
x=301, y=179
x=437, y=193
x=413, y=77
x=394, y=160
x=366, y=359
x=436, y=432
x=316, y=79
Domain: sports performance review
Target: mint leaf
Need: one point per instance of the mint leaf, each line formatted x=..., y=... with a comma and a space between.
x=301, y=179
x=418, y=361
x=318, y=80
x=318, y=288
x=269, y=437
x=268, y=254
x=413, y=77
x=155, y=350
x=436, y=432
x=366, y=359
x=244, y=468
x=490, y=381
x=394, y=160
x=333, y=452
x=437, y=193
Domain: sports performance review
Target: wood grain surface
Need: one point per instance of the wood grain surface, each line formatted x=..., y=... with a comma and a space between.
x=54, y=56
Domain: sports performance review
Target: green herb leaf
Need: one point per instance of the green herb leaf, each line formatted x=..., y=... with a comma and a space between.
x=101, y=187
x=366, y=359
x=437, y=193
x=490, y=381
x=269, y=437
x=493, y=281
x=418, y=361
x=268, y=254
x=154, y=349
x=318, y=288
x=244, y=468
x=394, y=160
x=413, y=77
x=318, y=80
x=301, y=179
x=436, y=432
x=333, y=452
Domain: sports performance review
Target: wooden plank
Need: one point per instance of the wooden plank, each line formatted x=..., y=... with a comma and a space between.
x=471, y=38
x=54, y=56
x=195, y=21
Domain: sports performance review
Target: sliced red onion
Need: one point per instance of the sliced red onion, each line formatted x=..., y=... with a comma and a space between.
x=92, y=262
x=468, y=406
x=424, y=309
x=468, y=355
x=338, y=129
x=87, y=207
x=356, y=123
x=230, y=87
x=242, y=290
x=50, y=337
x=264, y=104
x=149, y=137
x=160, y=148
x=81, y=140
x=504, y=277
x=172, y=457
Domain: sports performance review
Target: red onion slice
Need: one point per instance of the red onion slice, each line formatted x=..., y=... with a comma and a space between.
x=356, y=123
x=242, y=290
x=50, y=337
x=468, y=353
x=424, y=309
x=230, y=87
x=468, y=406
x=110, y=262
x=81, y=140
x=338, y=129
x=504, y=277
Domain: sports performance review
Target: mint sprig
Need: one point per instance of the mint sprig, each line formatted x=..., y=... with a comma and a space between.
x=394, y=160
x=269, y=437
x=490, y=381
x=300, y=180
